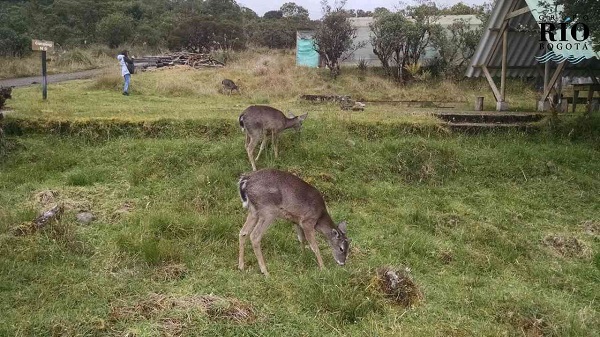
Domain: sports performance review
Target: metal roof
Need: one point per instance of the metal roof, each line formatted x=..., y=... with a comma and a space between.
x=523, y=45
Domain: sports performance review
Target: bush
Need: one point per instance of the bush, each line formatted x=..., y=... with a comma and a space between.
x=115, y=30
x=12, y=43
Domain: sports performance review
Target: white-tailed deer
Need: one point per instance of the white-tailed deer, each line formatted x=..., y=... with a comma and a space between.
x=272, y=194
x=257, y=121
x=229, y=85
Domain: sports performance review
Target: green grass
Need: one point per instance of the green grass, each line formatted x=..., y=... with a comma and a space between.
x=469, y=215
x=487, y=201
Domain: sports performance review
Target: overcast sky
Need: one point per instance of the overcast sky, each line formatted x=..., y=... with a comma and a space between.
x=314, y=6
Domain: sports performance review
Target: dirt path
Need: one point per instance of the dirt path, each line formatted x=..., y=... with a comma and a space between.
x=25, y=81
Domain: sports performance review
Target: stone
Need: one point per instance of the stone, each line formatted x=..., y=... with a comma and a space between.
x=85, y=217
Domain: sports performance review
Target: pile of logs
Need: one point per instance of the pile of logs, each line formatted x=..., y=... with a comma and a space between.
x=195, y=60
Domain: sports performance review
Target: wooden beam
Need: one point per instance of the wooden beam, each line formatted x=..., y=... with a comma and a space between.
x=518, y=12
x=491, y=83
x=503, y=26
x=510, y=29
x=552, y=82
x=592, y=75
x=504, y=66
x=546, y=74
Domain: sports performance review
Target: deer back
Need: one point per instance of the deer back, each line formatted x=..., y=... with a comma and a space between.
x=262, y=117
x=282, y=194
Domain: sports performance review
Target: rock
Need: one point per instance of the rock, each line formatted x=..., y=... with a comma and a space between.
x=85, y=217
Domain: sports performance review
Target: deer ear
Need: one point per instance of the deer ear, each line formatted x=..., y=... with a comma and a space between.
x=335, y=233
x=342, y=226
x=303, y=117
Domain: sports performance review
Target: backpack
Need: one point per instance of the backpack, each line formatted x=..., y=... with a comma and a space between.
x=130, y=65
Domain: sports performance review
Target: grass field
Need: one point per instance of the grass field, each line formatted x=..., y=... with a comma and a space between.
x=500, y=231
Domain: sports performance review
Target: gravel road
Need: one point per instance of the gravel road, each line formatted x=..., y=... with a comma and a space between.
x=25, y=81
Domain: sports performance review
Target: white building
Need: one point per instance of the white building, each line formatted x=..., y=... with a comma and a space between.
x=363, y=34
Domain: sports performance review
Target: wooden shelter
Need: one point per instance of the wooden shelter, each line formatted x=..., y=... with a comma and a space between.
x=511, y=46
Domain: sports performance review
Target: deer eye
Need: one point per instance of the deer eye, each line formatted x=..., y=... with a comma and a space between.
x=342, y=249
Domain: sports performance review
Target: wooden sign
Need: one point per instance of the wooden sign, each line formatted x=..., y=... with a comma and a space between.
x=42, y=45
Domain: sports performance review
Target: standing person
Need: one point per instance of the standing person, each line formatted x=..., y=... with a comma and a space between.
x=123, y=61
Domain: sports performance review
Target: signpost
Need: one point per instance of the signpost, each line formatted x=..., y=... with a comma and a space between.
x=43, y=46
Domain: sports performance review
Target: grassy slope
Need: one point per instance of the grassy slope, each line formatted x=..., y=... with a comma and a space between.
x=485, y=201
x=267, y=78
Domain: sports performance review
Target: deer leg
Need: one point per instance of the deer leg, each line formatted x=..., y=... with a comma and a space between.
x=256, y=236
x=250, y=150
x=246, y=229
x=274, y=142
x=301, y=237
x=262, y=146
x=312, y=241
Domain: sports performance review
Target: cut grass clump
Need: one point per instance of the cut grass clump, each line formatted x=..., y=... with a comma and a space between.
x=397, y=285
x=170, y=272
x=591, y=227
x=159, y=306
x=567, y=246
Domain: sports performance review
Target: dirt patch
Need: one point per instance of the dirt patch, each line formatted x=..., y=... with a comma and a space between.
x=164, y=306
x=170, y=272
x=397, y=285
x=532, y=327
x=446, y=256
x=528, y=325
x=46, y=197
x=591, y=227
x=125, y=208
x=171, y=327
x=567, y=246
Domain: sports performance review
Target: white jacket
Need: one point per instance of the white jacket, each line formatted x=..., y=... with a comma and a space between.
x=124, y=70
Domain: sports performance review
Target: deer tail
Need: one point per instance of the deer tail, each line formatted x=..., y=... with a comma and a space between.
x=241, y=121
x=242, y=189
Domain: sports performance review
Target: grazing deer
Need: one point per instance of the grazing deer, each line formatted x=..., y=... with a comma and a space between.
x=257, y=121
x=229, y=85
x=271, y=194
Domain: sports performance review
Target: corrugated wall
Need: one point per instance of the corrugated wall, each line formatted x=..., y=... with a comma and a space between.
x=306, y=55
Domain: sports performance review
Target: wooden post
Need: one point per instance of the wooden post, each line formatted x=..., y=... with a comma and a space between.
x=501, y=103
x=479, y=103
x=546, y=75
x=43, y=46
x=44, y=76
x=504, y=61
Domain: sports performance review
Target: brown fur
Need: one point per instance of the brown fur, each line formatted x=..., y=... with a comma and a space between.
x=258, y=121
x=272, y=194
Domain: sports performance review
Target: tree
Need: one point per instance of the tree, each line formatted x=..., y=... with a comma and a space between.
x=115, y=29
x=399, y=41
x=334, y=37
x=388, y=41
x=455, y=49
x=291, y=10
x=12, y=43
x=272, y=34
x=460, y=9
x=586, y=11
x=223, y=9
x=201, y=33
x=270, y=15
